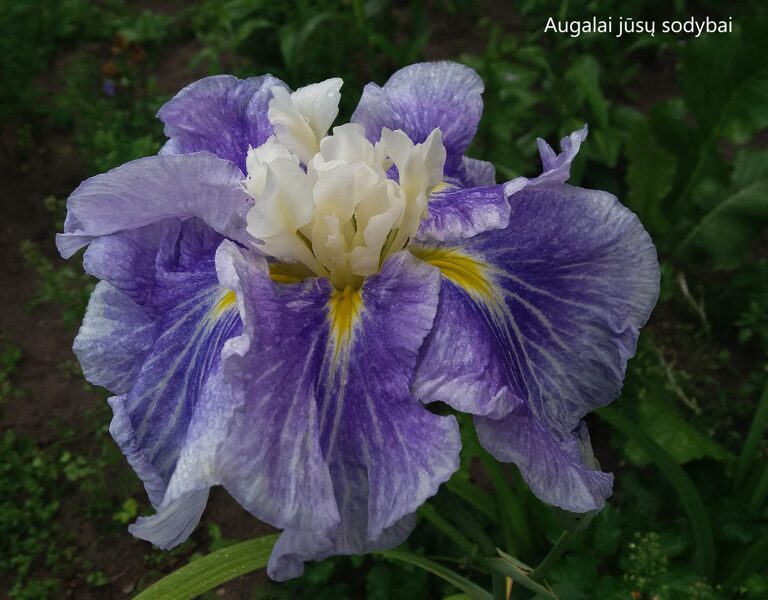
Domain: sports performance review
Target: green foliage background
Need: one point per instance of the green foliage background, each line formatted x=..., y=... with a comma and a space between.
x=677, y=132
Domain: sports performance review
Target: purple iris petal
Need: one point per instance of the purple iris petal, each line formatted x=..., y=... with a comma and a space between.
x=294, y=547
x=349, y=397
x=114, y=339
x=560, y=294
x=151, y=189
x=220, y=114
x=457, y=213
x=476, y=173
x=421, y=97
x=557, y=167
x=559, y=468
x=179, y=331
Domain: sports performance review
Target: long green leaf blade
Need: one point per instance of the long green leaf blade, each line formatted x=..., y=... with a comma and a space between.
x=212, y=570
x=456, y=580
x=508, y=569
x=756, y=429
x=753, y=560
x=689, y=495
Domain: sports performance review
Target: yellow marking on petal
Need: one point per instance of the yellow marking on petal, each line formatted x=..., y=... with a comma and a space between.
x=441, y=187
x=289, y=272
x=226, y=302
x=469, y=273
x=344, y=309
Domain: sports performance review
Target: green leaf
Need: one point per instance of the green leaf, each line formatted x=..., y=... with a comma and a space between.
x=681, y=440
x=508, y=569
x=752, y=442
x=753, y=560
x=725, y=81
x=456, y=580
x=727, y=230
x=583, y=80
x=750, y=166
x=687, y=492
x=212, y=570
x=650, y=176
x=471, y=494
x=725, y=84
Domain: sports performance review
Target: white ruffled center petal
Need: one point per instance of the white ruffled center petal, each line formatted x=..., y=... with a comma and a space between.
x=301, y=119
x=343, y=216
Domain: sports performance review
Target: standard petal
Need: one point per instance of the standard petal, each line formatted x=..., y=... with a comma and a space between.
x=150, y=189
x=422, y=97
x=456, y=213
x=561, y=293
x=559, y=469
x=221, y=114
x=114, y=339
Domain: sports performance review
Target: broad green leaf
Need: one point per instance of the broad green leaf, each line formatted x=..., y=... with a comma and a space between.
x=462, y=583
x=681, y=440
x=725, y=85
x=212, y=570
x=650, y=176
x=750, y=166
x=726, y=231
x=686, y=490
x=723, y=78
x=583, y=79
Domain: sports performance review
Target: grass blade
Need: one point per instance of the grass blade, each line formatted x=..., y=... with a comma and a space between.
x=756, y=429
x=212, y=570
x=465, y=585
x=507, y=569
x=753, y=560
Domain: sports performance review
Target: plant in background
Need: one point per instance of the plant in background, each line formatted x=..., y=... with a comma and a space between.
x=277, y=306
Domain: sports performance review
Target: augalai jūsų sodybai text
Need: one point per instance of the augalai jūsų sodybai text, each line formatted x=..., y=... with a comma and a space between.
x=626, y=25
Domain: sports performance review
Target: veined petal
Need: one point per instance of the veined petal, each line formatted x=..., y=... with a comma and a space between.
x=114, y=339
x=294, y=547
x=557, y=167
x=476, y=173
x=422, y=97
x=171, y=341
x=258, y=440
x=561, y=294
x=221, y=114
x=127, y=259
x=348, y=399
x=456, y=213
x=150, y=189
x=559, y=468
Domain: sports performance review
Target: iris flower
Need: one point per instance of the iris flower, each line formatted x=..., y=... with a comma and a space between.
x=278, y=306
